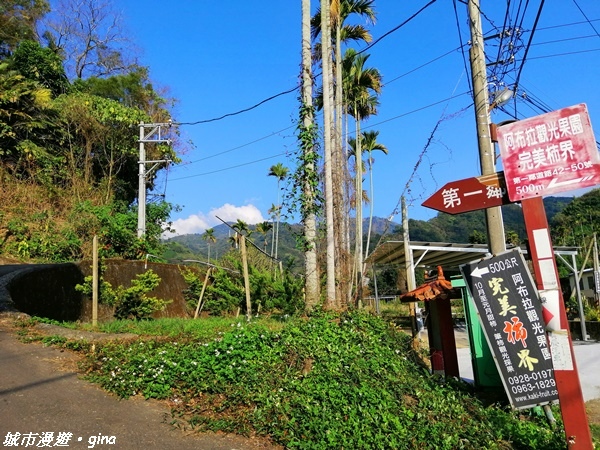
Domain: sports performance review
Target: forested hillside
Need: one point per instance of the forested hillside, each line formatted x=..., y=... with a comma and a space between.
x=460, y=228
x=71, y=101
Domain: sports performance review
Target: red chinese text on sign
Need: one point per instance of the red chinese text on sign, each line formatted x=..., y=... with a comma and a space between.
x=550, y=153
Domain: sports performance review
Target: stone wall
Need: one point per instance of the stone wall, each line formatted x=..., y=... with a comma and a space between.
x=48, y=290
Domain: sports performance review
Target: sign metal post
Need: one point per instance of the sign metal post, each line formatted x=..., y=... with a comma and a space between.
x=572, y=405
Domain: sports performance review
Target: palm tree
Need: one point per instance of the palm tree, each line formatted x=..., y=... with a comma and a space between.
x=370, y=144
x=240, y=227
x=280, y=172
x=362, y=85
x=340, y=10
x=209, y=236
x=273, y=211
x=264, y=228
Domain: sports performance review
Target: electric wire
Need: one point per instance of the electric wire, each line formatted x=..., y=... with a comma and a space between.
x=462, y=45
x=586, y=17
x=533, y=102
x=537, y=18
x=550, y=27
x=396, y=28
x=292, y=126
x=230, y=167
x=416, y=110
x=198, y=122
x=241, y=110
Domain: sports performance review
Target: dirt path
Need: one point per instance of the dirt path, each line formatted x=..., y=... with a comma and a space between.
x=41, y=393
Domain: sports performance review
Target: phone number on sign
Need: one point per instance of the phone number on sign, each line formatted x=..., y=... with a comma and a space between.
x=530, y=387
x=542, y=375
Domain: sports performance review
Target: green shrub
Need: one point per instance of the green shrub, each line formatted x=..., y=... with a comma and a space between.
x=131, y=302
x=226, y=291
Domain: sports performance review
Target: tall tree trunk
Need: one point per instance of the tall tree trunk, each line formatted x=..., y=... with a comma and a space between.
x=358, y=222
x=371, y=207
x=342, y=250
x=311, y=274
x=278, y=218
x=330, y=301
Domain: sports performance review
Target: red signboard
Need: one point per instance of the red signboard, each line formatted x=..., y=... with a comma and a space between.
x=470, y=194
x=550, y=153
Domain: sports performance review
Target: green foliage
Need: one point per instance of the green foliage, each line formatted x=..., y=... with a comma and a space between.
x=106, y=293
x=226, y=292
x=592, y=314
x=182, y=329
x=131, y=302
x=115, y=224
x=477, y=237
x=64, y=146
x=348, y=381
x=18, y=20
x=132, y=89
x=41, y=64
x=303, y=184
x=27, y=120
x=579, y=220
x=41, y=238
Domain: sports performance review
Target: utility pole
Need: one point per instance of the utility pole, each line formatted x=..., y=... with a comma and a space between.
x=487, y=153
x=154, y=135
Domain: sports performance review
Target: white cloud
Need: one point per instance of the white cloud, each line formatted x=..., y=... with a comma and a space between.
x=198, y=223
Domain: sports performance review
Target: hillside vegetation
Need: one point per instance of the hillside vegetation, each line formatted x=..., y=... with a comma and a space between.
x=460, y=228
x=69, y=142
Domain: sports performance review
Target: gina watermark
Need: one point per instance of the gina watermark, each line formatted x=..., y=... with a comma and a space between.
x=51, y=439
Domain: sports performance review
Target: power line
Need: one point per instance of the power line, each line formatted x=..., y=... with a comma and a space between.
x=586, y=18
x=240, y=146
x=558, y=41
x=292, y=126
x=286, y=153
x=565, y=54
x=422, y=65
x=569, y=24
x=537, y=18
x=240, y=111
x=392, y=80
x=462, y=45
x=396, y=28
x=297, y=87
x=229, y=168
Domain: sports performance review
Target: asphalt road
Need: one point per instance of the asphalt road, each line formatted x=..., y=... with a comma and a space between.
x=41, y=393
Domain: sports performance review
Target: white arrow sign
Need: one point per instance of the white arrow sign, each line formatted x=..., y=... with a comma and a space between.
x=555, y=183
x=480, y=271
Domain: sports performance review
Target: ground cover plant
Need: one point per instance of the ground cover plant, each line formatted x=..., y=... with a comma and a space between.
x=329, y=381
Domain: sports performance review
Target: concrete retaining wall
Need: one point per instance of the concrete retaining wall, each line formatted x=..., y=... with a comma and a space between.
x=48, y=290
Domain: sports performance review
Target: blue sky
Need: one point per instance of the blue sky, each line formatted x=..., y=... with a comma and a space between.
x=218, y=58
